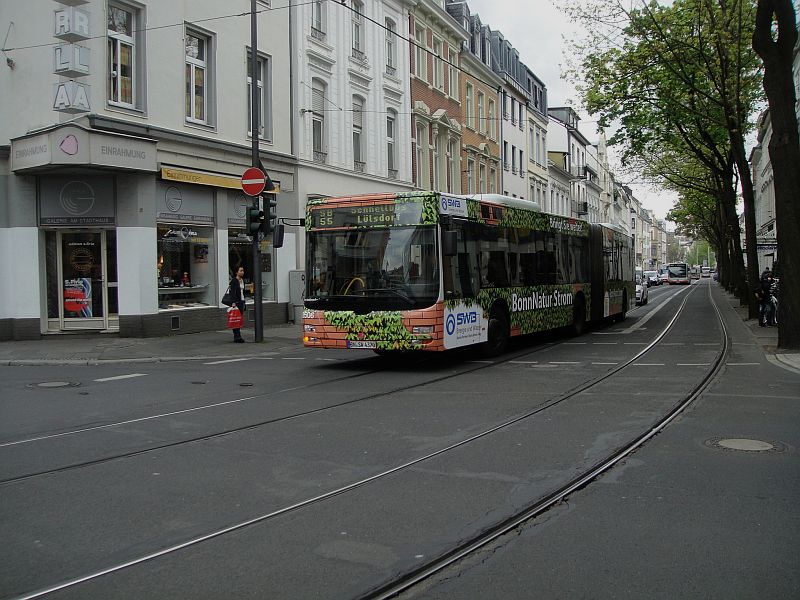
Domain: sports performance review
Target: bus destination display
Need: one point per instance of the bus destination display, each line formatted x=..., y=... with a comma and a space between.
x=374, y=215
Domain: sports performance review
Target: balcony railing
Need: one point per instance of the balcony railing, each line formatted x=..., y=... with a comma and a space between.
x=390, y=70
x=359, y=166
x=392, y=173
x=320, y=157
x=358, y=55
x=505, y=166
x=317, y=34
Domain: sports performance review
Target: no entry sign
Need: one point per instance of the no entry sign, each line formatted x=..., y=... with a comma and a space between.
x=253, y=181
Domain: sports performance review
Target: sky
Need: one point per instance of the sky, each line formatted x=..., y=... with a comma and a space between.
x=540, y=32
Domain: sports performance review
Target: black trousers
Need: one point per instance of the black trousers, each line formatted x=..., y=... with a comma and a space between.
x=237, y=333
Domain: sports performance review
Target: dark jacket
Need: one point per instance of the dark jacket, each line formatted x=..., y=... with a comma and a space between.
x=236, y=293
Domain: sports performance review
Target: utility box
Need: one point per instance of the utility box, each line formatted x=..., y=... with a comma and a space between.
x=297, y=293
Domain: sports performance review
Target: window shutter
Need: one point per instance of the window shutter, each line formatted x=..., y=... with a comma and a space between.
x=358, y=114
x=317, y=100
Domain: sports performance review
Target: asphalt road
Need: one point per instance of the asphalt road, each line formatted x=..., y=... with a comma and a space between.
x=259, y=456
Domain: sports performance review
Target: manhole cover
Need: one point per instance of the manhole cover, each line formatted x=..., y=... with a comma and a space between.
x=741, y=444
x=54, y=384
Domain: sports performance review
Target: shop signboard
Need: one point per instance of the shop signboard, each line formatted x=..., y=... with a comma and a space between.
x=77, y=201
x=177, y=203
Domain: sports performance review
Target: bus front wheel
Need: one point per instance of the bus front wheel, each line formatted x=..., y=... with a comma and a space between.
x=498, y=333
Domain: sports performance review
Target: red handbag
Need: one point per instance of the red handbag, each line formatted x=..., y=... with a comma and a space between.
x=234, y=318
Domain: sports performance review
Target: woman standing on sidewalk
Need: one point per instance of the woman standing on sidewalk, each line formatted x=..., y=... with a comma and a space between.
x=237, y=294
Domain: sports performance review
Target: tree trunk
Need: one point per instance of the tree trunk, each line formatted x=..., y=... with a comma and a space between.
x=748, y=196
x=784, y=154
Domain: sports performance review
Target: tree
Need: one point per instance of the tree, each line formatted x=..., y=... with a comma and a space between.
x=774, y=39
x=684, y=79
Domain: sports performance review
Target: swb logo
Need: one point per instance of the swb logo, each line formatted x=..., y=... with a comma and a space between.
x=464, y=318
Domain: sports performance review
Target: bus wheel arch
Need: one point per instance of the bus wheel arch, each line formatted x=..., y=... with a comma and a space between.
x=498, y=330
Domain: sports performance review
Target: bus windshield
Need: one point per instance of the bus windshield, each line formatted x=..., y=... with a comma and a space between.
x=363, y=270
x=678, y=270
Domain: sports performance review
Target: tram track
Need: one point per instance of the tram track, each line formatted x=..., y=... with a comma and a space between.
x=418, y=575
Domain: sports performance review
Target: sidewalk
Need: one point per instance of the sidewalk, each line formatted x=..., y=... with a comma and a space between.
x=766, y=337
x=82, y=349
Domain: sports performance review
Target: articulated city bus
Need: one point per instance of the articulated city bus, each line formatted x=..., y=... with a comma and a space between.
x=431, y=271
x=678, y=273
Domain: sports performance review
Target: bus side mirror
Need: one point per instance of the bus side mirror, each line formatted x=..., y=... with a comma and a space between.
x=449, y=243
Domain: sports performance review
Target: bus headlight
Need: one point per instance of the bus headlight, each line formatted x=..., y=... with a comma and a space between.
x=422, y=329
x=309, y=328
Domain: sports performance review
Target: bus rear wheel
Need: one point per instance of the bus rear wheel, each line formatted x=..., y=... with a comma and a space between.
x=498, y=333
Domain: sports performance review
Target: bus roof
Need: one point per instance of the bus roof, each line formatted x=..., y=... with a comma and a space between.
x=501, y=200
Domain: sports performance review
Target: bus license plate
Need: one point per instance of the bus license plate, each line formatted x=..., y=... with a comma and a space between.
x=362, y=344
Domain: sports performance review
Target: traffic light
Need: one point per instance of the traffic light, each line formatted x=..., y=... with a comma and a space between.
x=270, y=213
x=255, y=220
x=272, y=226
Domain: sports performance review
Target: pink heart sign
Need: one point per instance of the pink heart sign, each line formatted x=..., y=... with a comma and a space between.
x=69, y=145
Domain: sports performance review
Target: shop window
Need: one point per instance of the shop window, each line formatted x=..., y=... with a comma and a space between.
x=185, y=266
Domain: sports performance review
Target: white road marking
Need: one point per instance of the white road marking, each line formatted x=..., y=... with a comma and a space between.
x=649, y=364
x=692, y=364
x=574, y=343
x=293, y=358
x=705, y=344
x=524, y=362
x=118, y=377
x=605, y=343
x=741, y=364
x=651, y=314
x=599, y=363
x=229, y=360
x=556, y=362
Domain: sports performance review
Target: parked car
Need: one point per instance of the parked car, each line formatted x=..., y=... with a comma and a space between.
x=652, y=278
x=664, y=276
x=641, y=288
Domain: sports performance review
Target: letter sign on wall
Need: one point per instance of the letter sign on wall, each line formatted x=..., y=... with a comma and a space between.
x=70, y=60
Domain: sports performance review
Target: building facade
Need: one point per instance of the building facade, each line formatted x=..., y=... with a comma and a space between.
x=124, y=133
x=537, y=165
x=437, y=97
x=352, y=95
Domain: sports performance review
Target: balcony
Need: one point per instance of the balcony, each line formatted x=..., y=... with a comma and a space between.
x=581, y=208
x=359, y=166
x=358, y=56
x=390, y=70
x=392, y=173
x=317, y=34
x=320, y=157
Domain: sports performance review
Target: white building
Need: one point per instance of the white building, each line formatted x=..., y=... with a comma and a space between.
x=352, y=95
x=124, y=133
x=537, y=165
x=564, y=139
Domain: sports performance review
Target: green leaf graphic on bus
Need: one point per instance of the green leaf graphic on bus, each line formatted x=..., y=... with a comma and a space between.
x=532, y=309
x=385, y=328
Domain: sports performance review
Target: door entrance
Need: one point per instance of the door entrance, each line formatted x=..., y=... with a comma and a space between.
x=85, y=287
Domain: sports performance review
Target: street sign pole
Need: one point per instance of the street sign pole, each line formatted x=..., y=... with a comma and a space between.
x=258, y=309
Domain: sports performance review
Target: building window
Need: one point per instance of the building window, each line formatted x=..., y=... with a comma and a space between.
x=453, y=75
x=536, y=146
x=391, y=47
x=513, y=111
x=521, y=118
x=422, y=155
x=521, y=164
x=437, y=156
x=391, y=123
x=358, y=138
x=264, y=74
x=505, y=156
x=420, y=63
x=121, y=56
x=492, y=180
x=197, y=77
x=452, y=152
x=481, y=114
x=514, y=159
x=505, y=105
x=492, y=122
x=357, y=29
x=318, y=20
x=438, y=74
x=469, y=108
x=482, y=178
x=470, y=176
x=318, y=120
